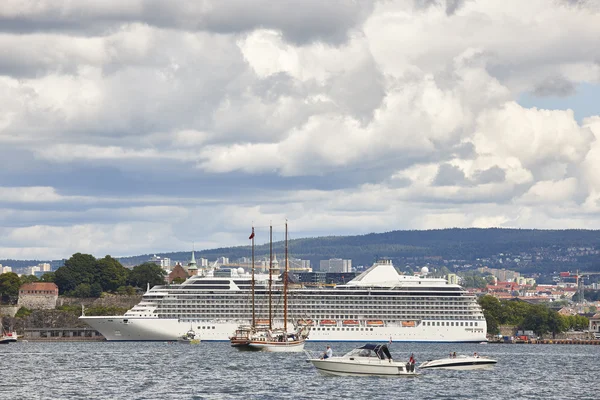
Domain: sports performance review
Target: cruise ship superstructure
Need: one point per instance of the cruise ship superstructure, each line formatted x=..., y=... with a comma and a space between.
x=378, y=305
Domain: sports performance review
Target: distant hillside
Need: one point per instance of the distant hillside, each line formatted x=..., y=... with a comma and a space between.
x=450, y=244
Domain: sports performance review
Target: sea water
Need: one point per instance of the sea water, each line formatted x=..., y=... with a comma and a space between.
x=215, y=370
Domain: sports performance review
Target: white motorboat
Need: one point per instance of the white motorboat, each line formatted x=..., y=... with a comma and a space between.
x=367, y=360
x=460, y=362
x=7, y=336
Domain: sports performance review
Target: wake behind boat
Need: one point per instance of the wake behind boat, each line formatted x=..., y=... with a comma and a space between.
x=367, y=360
x=460, y=362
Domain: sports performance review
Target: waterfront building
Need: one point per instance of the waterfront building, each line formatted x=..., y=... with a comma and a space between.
x=595, y=325
x=38, y=295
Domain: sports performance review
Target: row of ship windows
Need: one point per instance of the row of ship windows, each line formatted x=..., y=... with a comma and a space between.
x=306, y=306
x=431, y=301
x=311, y=312
x=333, y=305
x=326, y=300
x=448, y=323
x=395, y=318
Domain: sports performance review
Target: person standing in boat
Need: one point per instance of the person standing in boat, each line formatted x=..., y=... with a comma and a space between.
x=328, y=353
x=411, y=363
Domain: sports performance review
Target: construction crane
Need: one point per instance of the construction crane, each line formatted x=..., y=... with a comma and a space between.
x=579, y=281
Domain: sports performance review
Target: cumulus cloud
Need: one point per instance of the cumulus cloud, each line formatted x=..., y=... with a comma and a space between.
x=126, y=125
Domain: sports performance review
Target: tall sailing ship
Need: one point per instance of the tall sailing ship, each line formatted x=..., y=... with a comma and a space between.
x=269, y=339
x=378, y=305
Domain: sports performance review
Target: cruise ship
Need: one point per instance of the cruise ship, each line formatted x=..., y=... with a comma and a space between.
x=378, y=305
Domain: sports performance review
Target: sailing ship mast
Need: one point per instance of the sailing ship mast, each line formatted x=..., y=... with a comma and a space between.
x=253, y=282
x=285, y=280
x=270, y=276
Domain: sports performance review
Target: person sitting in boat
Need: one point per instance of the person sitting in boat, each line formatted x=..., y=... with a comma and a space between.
x=328, y=353
x=475, y=355
x=454, y=355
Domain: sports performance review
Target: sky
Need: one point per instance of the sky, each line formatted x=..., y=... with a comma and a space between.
x=135, y=127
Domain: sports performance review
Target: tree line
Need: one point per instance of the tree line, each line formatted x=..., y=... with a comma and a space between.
x=538, y=318
x=83, y=275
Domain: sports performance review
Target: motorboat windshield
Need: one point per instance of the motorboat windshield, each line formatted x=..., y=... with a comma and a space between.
x=380, y=351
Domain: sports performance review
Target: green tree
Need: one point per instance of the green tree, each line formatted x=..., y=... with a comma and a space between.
x=95, y=290
x=556, y=323
x=80, y=268
x=28, y=279
x=111, y=274
x=536, y=320
x=48, y=277
x=23, y=312
x=126, y=290
x=82, y=290
x=146, y=273
x=492, y=310
x=9, y=287
x=576, y=322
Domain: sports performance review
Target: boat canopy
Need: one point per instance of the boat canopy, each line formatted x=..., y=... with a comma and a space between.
x=381, y=350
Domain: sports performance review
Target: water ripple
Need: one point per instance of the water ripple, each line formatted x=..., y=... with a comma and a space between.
x=105, y=370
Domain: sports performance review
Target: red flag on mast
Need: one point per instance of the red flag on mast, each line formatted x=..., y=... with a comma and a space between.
x=252, y=235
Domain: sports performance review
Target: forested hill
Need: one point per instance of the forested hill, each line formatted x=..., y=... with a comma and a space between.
x=449, y=244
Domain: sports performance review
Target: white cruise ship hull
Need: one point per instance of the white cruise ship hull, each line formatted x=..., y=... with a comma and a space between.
x=118, y=328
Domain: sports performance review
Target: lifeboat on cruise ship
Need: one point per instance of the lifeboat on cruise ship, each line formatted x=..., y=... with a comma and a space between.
x=408, y=323
x=262, y=322
x=350, y=322
x=327, y=322
x=375, y=322
x=306, y=322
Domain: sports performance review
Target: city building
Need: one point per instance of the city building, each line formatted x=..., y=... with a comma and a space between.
x=32, y=270
x=178, y=272
x=163, y=262
x=44, y=267
x=335, y=265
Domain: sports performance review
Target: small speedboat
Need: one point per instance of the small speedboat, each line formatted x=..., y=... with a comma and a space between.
x=190, y=337
x=366, y=360
x=460, y=362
